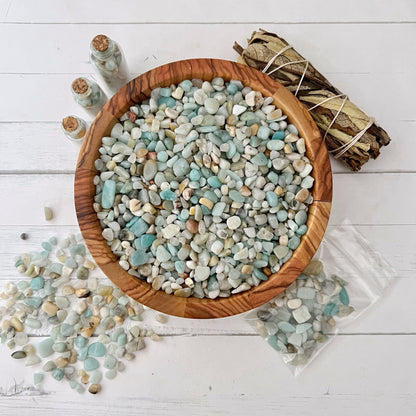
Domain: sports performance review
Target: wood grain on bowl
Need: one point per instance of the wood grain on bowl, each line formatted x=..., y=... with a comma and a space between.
x=136, y=91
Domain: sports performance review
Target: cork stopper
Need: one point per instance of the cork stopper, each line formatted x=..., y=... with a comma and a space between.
x=100, y=43
x=79, y=86
x=70, y=123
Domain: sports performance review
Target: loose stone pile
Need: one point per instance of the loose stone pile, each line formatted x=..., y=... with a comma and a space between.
x=85, y=320
x=203, y=189
x=299, y=319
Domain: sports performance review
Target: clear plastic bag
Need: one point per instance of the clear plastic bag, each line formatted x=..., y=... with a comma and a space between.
x=345, y=278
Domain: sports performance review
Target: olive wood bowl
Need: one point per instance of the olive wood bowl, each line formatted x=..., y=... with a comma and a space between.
x=136, y=91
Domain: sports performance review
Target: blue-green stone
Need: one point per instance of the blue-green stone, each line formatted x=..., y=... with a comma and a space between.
x=37, y=378
x=88, y=313
x=294, y=242
x=213, y=283
x=282, y=215
x=165, y=92
x=236, y=196
x=37, y=283
x=330, y=309
x=90, y=364
x=259, y=274
x=33, y=301
x=32, y=322
x=272, y=341
x=260, y=159
x=44, y=348
x=80, y=341
x=168, y=195
x=82, y=353
x=232, y=89
x=301, y=217
x=212, y=196
x=292, y=129
x=302, y=230
x=66, y=330
x=343, y=297
x=186, y=85
x=96, y=377
x=205, y=210
x=137, y=226
x=286, y=327
x=180, y=168
x=263, y=133
x=194, y=175
x=58, y=374
x=77, y=249
x=169, y=101
x=110, y=361
x=273, y=177
x=96, y=349
x=278, y=135
x=272, y=198
x=122, y=340
x=232, y=150
x=218, y=209
x=138, y=257
x=301, y=328
x=146, y=240
x=275, y=145
x=46, y=246
x=180, y=266
x=108, y=194
x=59, y=346
x=214, y=182
x=162, y=156
x=147, y=135
x=207, y=129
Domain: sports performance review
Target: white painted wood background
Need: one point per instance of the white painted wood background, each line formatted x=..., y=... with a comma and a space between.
x=367, y=49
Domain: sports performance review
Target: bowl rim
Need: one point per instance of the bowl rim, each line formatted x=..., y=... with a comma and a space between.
x=136, y=91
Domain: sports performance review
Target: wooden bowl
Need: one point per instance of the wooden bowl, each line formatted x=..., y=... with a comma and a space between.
x=136, y=91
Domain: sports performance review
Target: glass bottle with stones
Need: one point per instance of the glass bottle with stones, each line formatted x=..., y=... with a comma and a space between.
x=108, y=60
x=74, y=128
x=87, y=94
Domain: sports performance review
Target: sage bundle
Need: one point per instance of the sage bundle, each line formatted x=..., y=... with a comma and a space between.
x=350, y=135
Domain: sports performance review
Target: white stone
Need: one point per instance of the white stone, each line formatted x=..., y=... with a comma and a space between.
x=239, y=109
x=170, y=231
x=217, y=247
x=201, y=273
x=233, y=222
x=301, y=314
x=294, y=303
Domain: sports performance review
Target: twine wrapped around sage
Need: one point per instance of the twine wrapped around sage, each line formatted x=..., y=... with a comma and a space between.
x=350, y=135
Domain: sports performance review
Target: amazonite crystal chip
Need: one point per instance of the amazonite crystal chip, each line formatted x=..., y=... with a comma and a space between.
x=109, y=193
x=96, y=349
x=44, y=348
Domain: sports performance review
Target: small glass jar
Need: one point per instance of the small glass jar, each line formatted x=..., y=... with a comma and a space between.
x=74, y=128
x=87, y=93
x=108, y=60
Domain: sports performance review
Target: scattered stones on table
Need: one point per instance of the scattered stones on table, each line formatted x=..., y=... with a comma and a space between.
x=303, y=316
x=24, y=236
x=206, y=192
x=89, y=324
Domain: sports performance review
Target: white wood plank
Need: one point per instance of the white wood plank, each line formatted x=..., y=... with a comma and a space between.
x=399, y=298
x=238, y=375
x=4, y=8
x=331, y=48
x=55, y=154
x=101, y=11
x=368, y=199
x=48, y=98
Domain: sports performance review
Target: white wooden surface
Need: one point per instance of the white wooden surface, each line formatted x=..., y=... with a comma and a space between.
x=219, y=367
